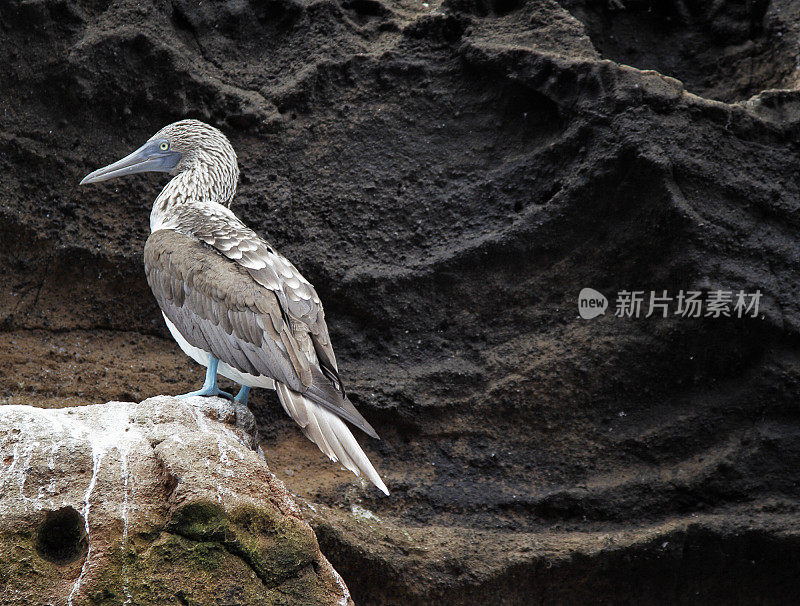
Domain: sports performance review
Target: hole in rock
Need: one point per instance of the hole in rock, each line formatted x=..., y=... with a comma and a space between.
x=62, y=536
x=726, y=51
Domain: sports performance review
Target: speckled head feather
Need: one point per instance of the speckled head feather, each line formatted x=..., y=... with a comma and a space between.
x=207, y=153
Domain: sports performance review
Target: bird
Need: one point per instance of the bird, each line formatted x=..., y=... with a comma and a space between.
x=230, y=300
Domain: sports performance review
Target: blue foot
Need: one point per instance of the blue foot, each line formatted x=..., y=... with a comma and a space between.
x=210, y=387
x=241, y=397
x=207, y=392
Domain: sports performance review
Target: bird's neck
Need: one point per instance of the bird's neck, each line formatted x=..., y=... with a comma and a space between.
x=205, y=183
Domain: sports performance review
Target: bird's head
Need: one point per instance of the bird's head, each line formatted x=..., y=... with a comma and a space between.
x=174, y=149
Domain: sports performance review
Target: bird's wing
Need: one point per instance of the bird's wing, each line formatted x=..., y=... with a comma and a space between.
x=218, y=306
x=227, y=234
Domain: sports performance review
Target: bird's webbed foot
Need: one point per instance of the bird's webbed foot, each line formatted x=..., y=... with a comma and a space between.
x=210, y=387
x=241, y=397
x=216, y=391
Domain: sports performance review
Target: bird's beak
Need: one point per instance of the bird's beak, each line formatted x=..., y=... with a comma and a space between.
x=148, y=158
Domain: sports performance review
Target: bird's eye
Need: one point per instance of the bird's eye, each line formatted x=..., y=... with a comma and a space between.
x=164, y=146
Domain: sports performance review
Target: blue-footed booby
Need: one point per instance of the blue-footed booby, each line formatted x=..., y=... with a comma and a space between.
x=230, y=300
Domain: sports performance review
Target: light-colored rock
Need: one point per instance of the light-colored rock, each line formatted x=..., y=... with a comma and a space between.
x=163, y=502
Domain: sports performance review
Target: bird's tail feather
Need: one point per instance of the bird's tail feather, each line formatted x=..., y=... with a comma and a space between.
x=329, y=433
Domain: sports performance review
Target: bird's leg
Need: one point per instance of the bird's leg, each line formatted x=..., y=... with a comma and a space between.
x=210, y=387
x=241, y=397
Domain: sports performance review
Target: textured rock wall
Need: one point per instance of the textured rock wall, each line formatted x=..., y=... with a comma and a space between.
x=450, y=175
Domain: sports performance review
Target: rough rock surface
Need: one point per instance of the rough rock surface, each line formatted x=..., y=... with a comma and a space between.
x=165, y=501
x=450, y=174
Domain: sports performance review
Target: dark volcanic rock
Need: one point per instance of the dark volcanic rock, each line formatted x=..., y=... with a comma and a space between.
x=450, y=175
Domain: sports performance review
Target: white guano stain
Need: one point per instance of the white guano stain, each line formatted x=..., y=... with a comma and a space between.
x=112, y=432
x=112, y=435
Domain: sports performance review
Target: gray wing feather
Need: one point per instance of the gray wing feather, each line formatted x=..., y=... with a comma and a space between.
x=272, y=270
x=203, y=294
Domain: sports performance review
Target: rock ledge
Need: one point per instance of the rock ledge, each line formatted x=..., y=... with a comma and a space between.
x=162, y=501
